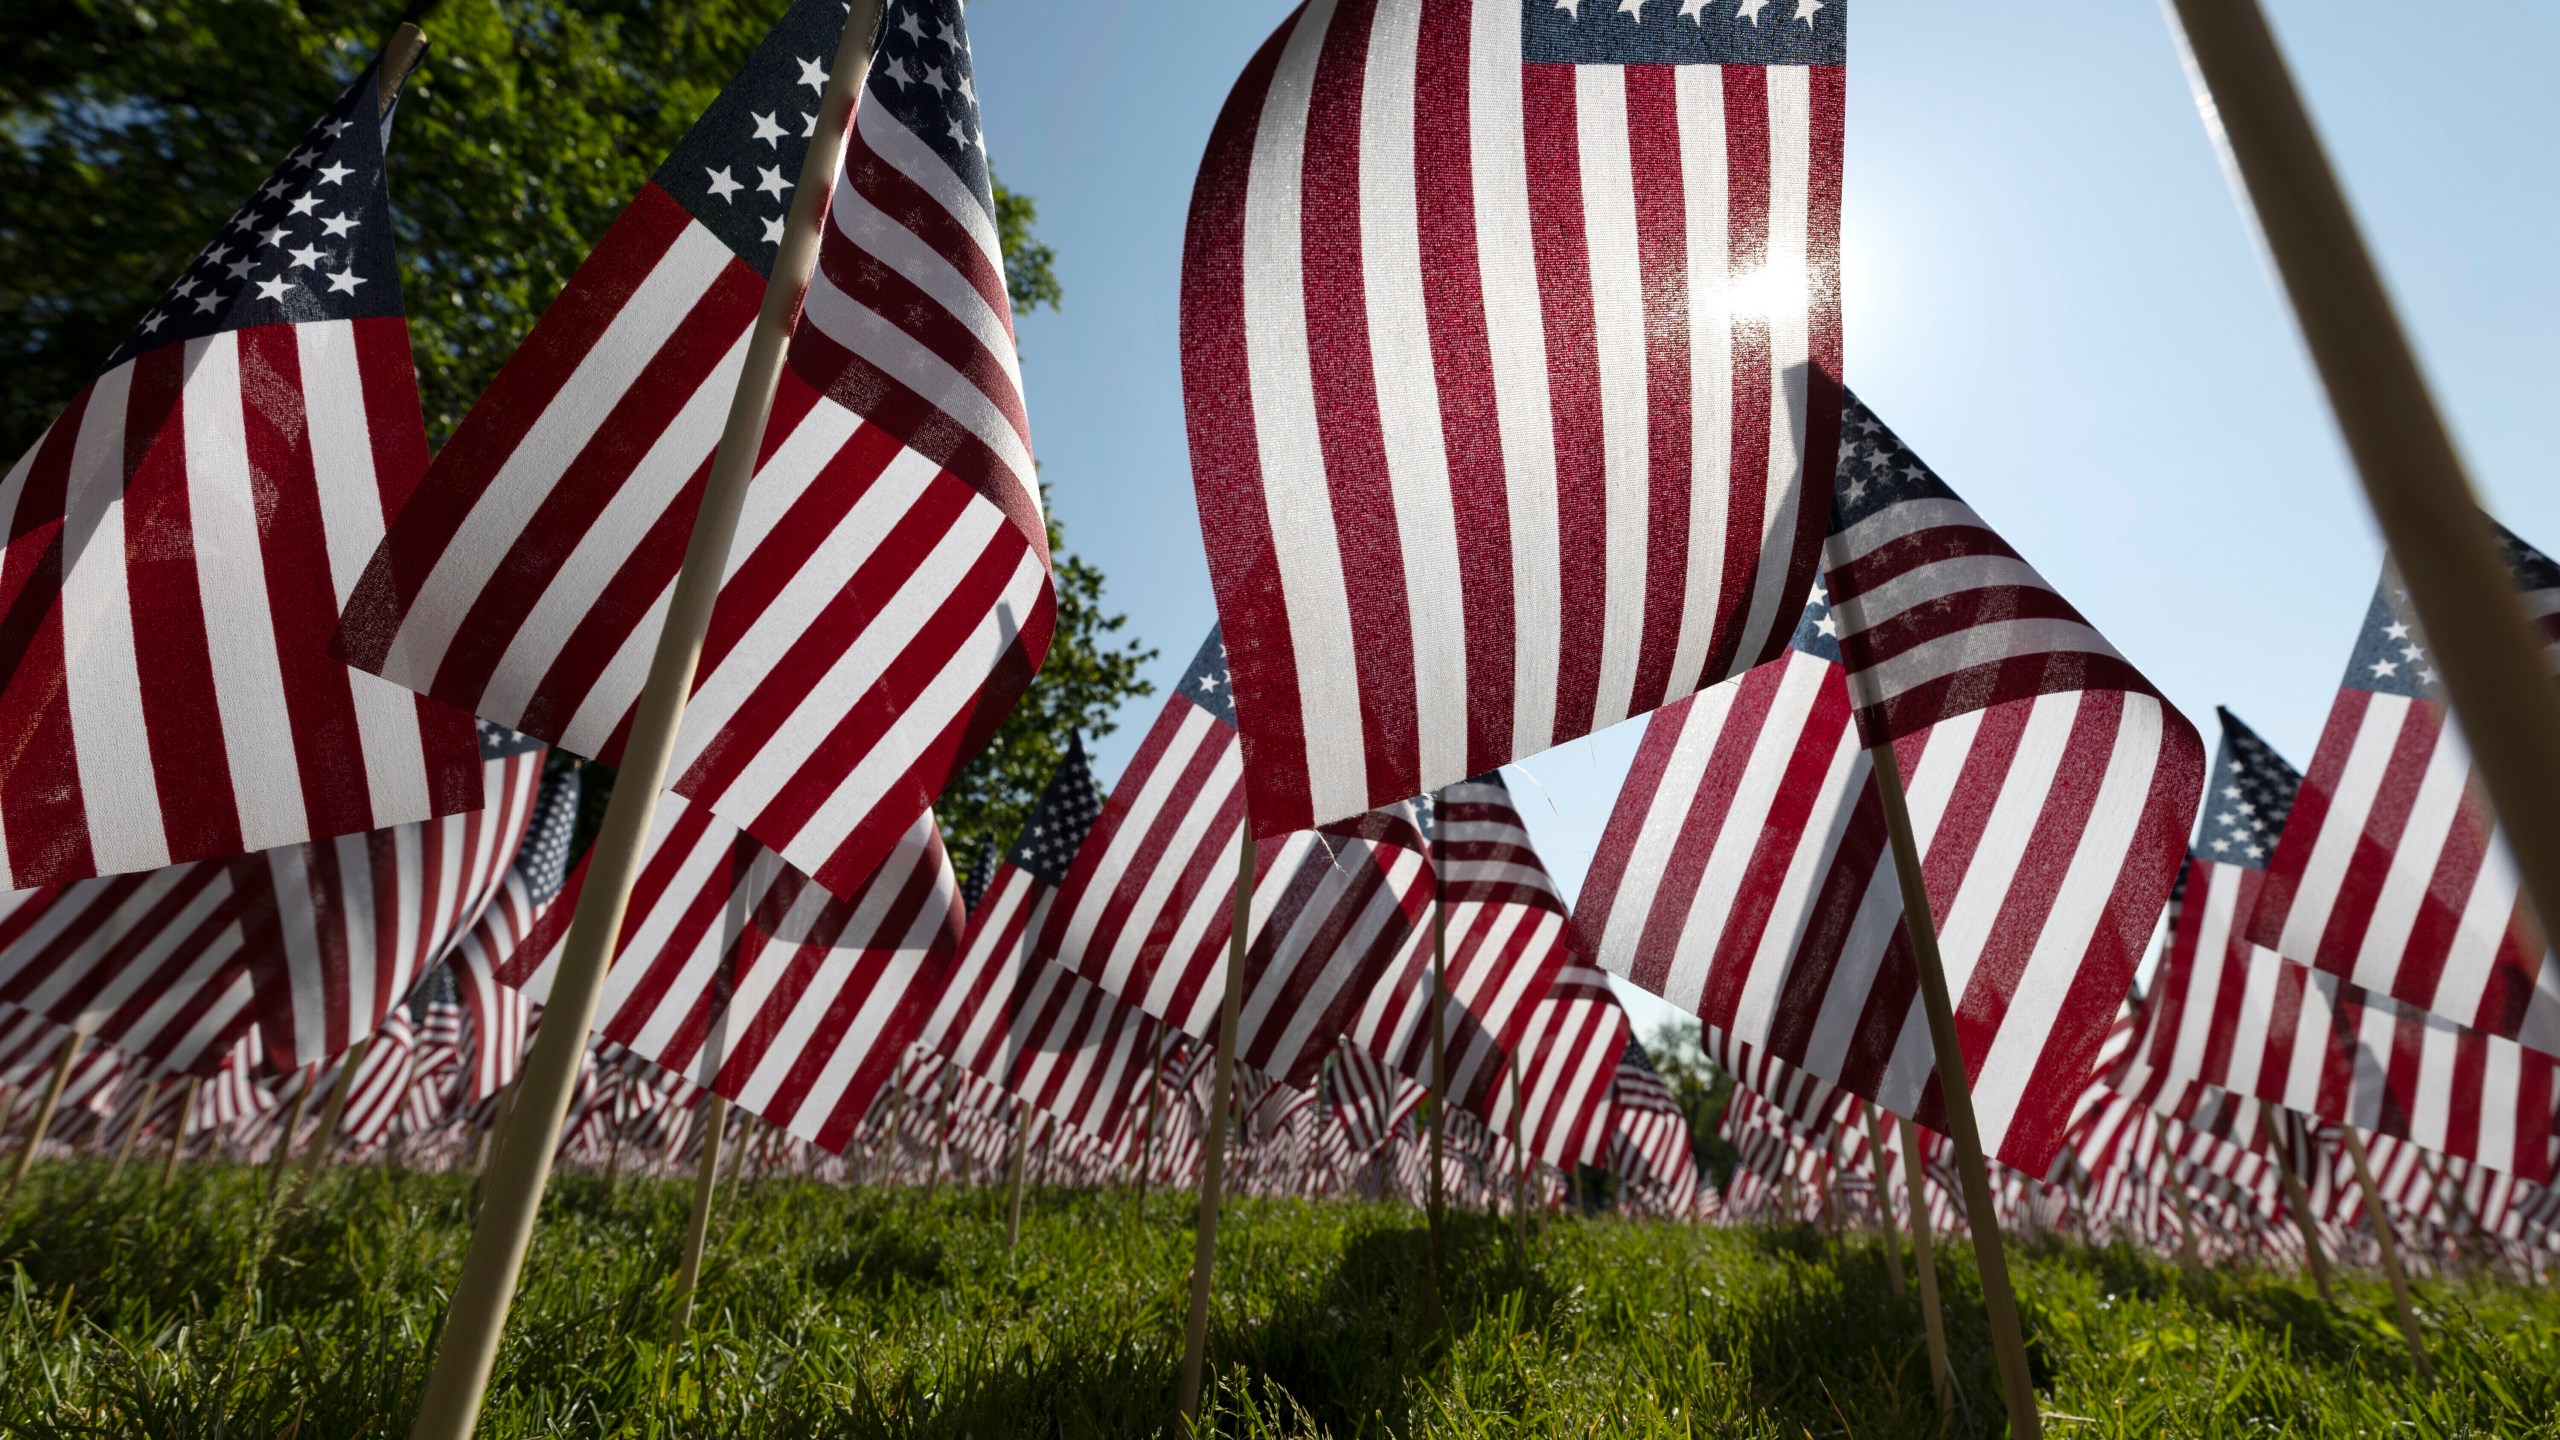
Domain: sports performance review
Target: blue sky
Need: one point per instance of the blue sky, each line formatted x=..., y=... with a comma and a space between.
x=2050, y=294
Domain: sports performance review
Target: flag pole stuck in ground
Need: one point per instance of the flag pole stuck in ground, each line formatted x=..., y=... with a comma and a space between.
x=521, y=1169
x=1213, y=1139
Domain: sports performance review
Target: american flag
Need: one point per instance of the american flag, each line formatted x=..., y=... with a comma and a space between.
x=741, y=974
x=887, y=597
x=1567, y=1053
x=1744, y=874
x=501, y=1017
x=1649, y=1138
x=1511, y=344
x=1332, y=910
x=437, y=1082
x=1031, y=1026
x=2391, y=872
x=181, y=538
x=1368, y=1100
x=1814, y=1106
x=151, y=963
x=381, y=1082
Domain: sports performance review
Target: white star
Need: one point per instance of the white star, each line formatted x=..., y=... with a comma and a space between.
x=306, y=257
x=337, y=128
x=1751, y=11
x=206, y=301
x=959, y=132
x=337, y=225
x=239, y=267
x=1210, y=681
x=151, y=322
x=2221, y=844
x=968, y=90
x=2223, y=819
x=2426, y=676
x=271, y=189
x=2410, y=652
x=897, y=72
x=2385, y=667
x=2248, y=808
x=813, y=77
x=1805, y=11
x=306, y=205
x=773, y=230
x=1915, y=472
x=1694, y=10
x=2257, y=852
x=2396, y=630
x=345, y=282
x=808, y=126
x=772, y=184
x=1828, y=626
x=275, y=237
x=913, y=30
x=331, y=175
x=933, y=80
x=1632, y=7
x=723, y=184
x=943, y=33
x=273, y=289
x=1857, y=488
x=769, y=132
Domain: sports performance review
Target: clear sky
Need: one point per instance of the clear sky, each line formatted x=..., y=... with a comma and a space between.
x=2050, y=294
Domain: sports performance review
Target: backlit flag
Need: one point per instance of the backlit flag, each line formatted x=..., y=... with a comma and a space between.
x=501, y=1017
x=887, y=596
x=1511, y=345
x=742, y=975
x=2391, y=872
x=1567, y=1054
x=1745, y=874
x=1649, y=1137
x=179, y=542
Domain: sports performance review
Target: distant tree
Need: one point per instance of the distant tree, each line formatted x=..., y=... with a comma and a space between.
x=131, y=129
x=1702, y=1091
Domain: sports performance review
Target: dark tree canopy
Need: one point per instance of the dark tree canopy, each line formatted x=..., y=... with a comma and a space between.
x=129, y=131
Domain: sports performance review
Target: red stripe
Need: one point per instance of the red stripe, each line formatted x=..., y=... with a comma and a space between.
x=1662, y=256
x=2459, y=854
x=870, y=284
x=1747, y=222
x=1636, y=799
x=2369, y=866
x=42, y=814
x=1828, y=86
x=2265, y=923
x=1785, y=834
x=1556, y=219
x=1705, y=820
x=920, y=213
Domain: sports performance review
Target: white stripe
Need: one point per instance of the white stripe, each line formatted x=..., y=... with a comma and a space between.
x=1774, y=743
x=872, y=232
x=101, y=671
x=1193, y=728
x=1789, y=268
x=1408, y=396
x=2436, y=813
x=2341, y=830
x=1817, y=849
x=900, y=355
x=1618, y=345
x=1982, y=644
x=1650, y=855
x=1698, y=107
x=908, y=154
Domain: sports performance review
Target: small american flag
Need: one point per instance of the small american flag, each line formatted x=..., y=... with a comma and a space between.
x=2391, y=871
x=180, y=540
x=501, y=1017
x=1649, y=1138
x=1567, y=1052
x=887, y=597
x=1511, y=345
x=151, y=963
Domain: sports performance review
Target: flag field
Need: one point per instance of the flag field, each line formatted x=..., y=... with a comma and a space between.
x=828, y=1310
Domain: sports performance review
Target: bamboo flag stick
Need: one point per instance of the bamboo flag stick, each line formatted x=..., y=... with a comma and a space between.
x=292, y=1127
x=2008, y=1340
x=1915, y=1185
x=706, y=1178
x=330, y=1114
x=133, y=1132
x=2188, y=1260
x=2484, y=644
x=178, y=1132
x=2300, y=1204
x=1021, y=1144
x=521, y=1170
x=43, y=1120
x=1213, y=1153
x=2388, y=1237
x=1520, y=1162
x=1884, y=1196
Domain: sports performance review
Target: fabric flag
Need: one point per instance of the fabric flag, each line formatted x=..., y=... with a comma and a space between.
x=887, y=596
x=1508, y=936
x=1367, y=1099
x=180, y=540
x=740, y=974
x=1036, y=1029
x=151, y=963
x=437, y=1082
x=381, y=1082
x=501, y=1017
x=1745, y=876
x=1649, y=1138
x=1568, y=1051
x=1813, y=1106
x=1511, y=345
x=2391, y=872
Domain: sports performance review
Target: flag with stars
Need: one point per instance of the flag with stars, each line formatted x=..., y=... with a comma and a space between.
x=1511, y=356
x=181, y=538
x=1745, y=874
x=2391, y=872
x=887, y=595
x=1029, y=1025
x=501, y=1018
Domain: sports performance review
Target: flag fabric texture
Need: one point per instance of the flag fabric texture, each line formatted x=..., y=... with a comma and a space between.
x=181, y=538
x=742, y=975
x=1568, y=1051
x=1511, y=345
x=152, y=963
x=1744, y=874
x=2391, y=872
x=887, y=596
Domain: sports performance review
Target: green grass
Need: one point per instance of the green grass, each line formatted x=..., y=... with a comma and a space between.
x=828, y=1312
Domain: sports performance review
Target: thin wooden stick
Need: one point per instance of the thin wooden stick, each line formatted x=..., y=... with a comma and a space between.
x=43, y=1120
x=1884, y=1196
x=292, y=1127
x=1915, y=1182
x=1147, y=1132
x=2188, y=1260
x=476, y=1318
x=1213, y=1154
x=2388, y=1237
x=330, y=1114
x=2299, y=1204
x=133, y=1132
x=1955, y=1088
x=2482, y=641
x=1021, y=1147
x=1520, y=1162
x=178, y=1133
x=697, y=1227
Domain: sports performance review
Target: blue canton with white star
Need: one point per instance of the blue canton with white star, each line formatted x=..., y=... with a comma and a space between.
x=1047, y=846
x=497, y=742
x=313, y=243
x=1817, y=634
x=1876, y=469
x=1205, y=683
x=922, y=76
x=543, y=857
x=975, y=876
x=2391, y=655
x=1684, y=32
x=2249, y=794
x=735, y=169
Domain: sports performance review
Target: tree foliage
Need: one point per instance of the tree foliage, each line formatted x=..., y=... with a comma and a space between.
x=131, y=129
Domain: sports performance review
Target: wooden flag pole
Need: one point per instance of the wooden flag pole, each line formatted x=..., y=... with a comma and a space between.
x=1884, y=1196
x=1213, y=1150
x=1915, y=1184
x=292, y=1126
x=1439, y=1071
x=43, y=1119
x=1021, y=1147
x=1955, y=1088
x=521, y=1170
x=1520, y=1162
x=2484, y=644
x=2388, y=1236
x=1147, y=1131
x=2188, y=1260
x=697, y=1226
x=178, y=1132
x=133, y=1132
x=331, y=1113
x=2300, y=1204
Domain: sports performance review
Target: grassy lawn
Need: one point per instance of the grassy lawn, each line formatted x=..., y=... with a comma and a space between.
x=829, y=1312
